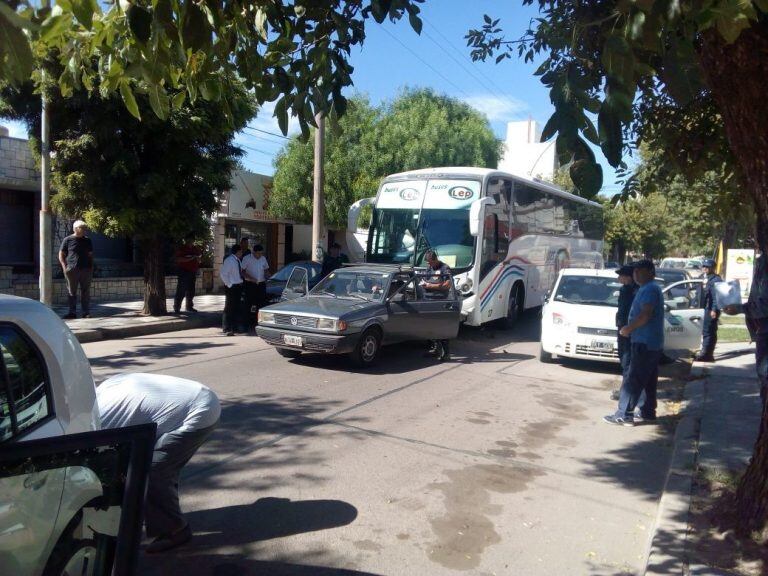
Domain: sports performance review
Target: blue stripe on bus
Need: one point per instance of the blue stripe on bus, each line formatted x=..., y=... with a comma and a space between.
x=510, y=271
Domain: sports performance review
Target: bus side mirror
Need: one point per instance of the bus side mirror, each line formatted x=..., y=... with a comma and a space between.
x=354, y=213
x=477, y=214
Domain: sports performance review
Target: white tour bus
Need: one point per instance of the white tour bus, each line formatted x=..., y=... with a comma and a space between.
x=505, y=238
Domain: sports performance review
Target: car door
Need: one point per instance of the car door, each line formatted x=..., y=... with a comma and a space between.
x=439, y=314
x=297, y=285
x=29, y=503
x=683, y=315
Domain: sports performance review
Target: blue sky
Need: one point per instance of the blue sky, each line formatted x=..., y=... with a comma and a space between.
x=394, y=56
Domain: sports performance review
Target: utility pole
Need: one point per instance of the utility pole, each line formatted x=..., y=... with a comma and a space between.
x=318, y=201
x=46, y=259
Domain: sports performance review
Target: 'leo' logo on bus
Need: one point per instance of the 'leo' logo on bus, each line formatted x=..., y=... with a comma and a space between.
x=460, y=193
x=409, y=194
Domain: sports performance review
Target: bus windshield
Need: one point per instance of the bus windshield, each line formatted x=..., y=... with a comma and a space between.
x=397, y=235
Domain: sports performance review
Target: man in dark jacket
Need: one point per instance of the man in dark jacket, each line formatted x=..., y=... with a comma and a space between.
x=76, y=259
x=626, y=296
x=711, y=313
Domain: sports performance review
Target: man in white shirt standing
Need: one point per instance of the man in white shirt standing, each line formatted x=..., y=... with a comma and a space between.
x=232, y=276
x=256, y=272
x=186, y=412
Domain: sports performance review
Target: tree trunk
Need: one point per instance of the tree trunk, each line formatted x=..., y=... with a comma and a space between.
x=154, y=278
x=737, y=74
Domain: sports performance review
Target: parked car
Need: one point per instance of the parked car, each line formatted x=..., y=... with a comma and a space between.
x=612, y=265
x=276, y=282
x=357, y=309
x=579, y=318
x=46, y=390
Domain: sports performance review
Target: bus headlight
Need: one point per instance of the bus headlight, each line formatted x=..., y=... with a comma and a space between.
x=266, y=317
x=559, y=321
x=466, y=287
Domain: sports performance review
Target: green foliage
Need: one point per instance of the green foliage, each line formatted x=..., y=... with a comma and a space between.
x=150, y=179
x=294, y=53
x=418, y=129
x=619, y=60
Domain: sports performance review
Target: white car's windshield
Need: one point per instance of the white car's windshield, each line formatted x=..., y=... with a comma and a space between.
x=593, y=290
x=350, y=284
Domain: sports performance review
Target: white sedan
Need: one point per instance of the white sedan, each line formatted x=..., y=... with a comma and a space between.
x=579, y=316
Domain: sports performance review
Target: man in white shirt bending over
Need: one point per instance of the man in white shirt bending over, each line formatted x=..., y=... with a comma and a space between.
x=232, y=276
x=256, y=272
x=186, y=412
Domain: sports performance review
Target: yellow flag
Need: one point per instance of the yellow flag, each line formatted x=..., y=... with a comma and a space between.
x=720, y=259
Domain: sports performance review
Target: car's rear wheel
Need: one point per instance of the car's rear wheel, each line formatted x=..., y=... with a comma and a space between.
x=544, y=356
x=288, y=353
x=367, y=349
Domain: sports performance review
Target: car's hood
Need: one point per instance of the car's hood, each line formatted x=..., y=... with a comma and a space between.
x=322, y=305
x=587, y=316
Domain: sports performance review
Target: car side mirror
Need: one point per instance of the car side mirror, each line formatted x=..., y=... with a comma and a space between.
x=547, y=296
x=667, y=307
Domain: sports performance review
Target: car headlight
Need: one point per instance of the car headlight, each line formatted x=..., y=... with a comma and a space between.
x=266, y=317
x=559, y=320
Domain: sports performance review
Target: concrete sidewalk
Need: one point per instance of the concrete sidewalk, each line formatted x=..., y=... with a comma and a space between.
x=720, y=423
x=123, y=319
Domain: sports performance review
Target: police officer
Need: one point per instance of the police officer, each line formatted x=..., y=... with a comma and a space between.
x=626, y=296
x=711, y=313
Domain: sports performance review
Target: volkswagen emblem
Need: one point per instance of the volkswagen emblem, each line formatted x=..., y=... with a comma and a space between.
x=294, y=321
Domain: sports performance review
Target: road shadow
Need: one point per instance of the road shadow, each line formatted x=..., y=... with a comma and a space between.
x=235, y=565
x=265, y=519
x=150, y=353
x=250, y=437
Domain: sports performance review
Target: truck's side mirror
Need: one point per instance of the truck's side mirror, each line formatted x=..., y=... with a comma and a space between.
x=353, y=214
x=477, y=214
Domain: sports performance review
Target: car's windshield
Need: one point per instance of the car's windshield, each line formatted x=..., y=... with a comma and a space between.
x=348, y=284
x=593, y=290
x=670, y=276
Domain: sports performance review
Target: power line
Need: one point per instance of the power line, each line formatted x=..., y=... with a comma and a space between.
x=427, y=64
x=479, y=70
x=267, y=132
x=252, y=149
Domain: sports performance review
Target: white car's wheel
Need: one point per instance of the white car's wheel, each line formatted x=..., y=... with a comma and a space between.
x=544, y=356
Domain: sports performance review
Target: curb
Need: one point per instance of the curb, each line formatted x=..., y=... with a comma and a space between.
x=667, y=553
x=200, y=320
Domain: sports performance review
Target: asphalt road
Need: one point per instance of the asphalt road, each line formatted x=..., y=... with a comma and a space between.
x=490, y=464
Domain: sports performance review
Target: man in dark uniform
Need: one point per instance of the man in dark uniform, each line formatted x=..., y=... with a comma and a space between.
x=711, y=313
x=334, y=260
x=756, y=312
x=626, y=296
x=437, y=286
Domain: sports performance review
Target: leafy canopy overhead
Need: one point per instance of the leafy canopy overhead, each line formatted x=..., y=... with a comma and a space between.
x=418, y=129
x=610, y=62
x=294, y=53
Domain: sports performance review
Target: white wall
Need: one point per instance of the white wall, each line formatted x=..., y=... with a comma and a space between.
x=524, y=154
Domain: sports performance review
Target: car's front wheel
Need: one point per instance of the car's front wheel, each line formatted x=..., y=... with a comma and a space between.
x=367, y=349
x=288, y=353
x=72, y=555
x=544, y=356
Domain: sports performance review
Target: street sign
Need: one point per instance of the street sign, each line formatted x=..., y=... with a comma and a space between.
x=740, y=264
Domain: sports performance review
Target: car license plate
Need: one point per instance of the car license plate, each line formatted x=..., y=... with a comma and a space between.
x=603, y=346
x=293, y=340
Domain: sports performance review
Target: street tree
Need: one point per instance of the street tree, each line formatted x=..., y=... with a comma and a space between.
x=295, y=53
x=626, y=61
x=152, y=180
x=417, y=129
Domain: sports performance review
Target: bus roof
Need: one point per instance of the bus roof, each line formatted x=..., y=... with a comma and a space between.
x=484, y=173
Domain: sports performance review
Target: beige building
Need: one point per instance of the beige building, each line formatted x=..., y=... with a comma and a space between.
x=243, y=213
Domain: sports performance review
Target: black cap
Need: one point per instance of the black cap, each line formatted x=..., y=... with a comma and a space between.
x=625, y=270
x=708, y=263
